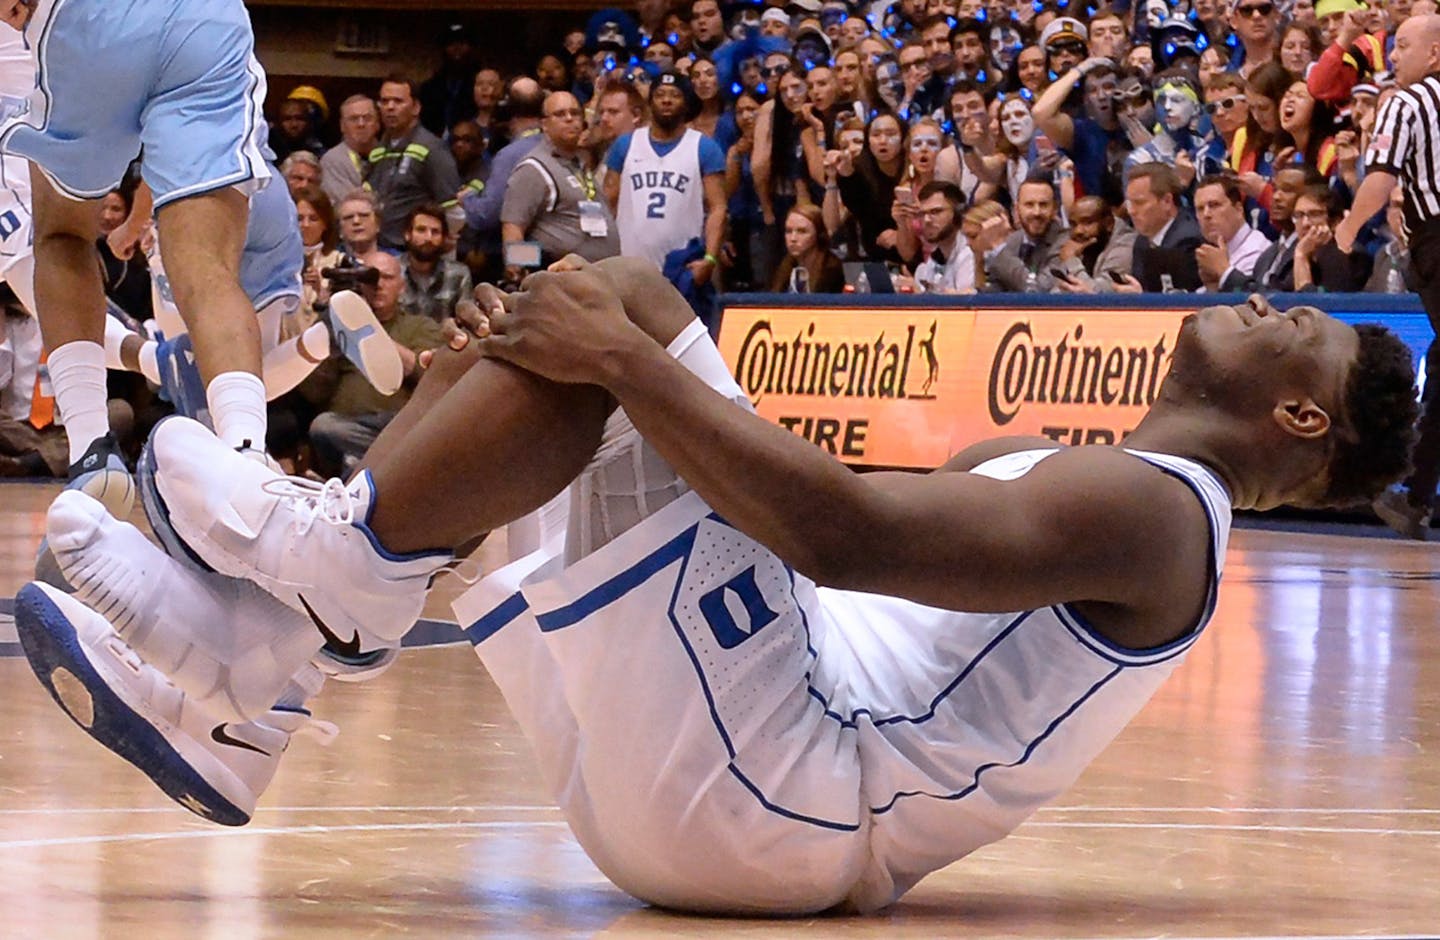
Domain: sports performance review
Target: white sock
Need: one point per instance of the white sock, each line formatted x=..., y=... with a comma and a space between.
x=149, y=365
x=237, y=409
x=115, y=336
x=288, y=364
x=77, y=374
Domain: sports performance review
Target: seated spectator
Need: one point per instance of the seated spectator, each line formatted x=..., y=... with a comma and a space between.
x=1099, y=251
x=342, y=168
x=1232, y=246
x=552, y=197
x=1392, y=274
x=948, y=264
x=433, y=284
x=1274, y=268
x=359, y=223
x=810, y=267
x=354, y=412
x=1164, y=258
x=1320, y=265
x=1026, y=259
x=320, y=236
x=301, y=170
x=126, y=274
x=298, y=126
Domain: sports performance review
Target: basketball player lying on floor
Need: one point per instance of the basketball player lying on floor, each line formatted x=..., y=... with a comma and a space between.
x=835, y=683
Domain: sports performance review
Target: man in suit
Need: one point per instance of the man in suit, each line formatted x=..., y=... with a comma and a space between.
x=1024, y=262
x=1164, y=257
x=1275, y=268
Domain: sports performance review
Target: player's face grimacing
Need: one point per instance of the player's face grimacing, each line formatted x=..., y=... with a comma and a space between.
x=1252, y=351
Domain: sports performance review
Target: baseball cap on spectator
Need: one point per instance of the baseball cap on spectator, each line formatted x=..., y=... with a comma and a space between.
x=775, y=15
x=611, y=30
x=808, y=7
x=1179, y=38
x=812, y=46
x=1326, y=7
x=834, y=11
x=313, y=95
x=455, y=32
x=674, y=79
x=1064, y=29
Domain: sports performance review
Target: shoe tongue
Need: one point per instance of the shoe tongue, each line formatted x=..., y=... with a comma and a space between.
x=362, y=492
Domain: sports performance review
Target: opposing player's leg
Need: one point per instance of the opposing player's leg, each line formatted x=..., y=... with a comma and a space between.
x=70, y=303
x=201, y=238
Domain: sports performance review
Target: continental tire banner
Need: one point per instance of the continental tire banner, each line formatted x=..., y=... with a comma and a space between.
x=910, y=386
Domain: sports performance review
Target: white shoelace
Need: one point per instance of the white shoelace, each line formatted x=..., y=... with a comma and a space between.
x=331, y=501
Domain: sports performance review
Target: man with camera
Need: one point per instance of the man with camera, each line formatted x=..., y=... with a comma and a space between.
x=354, y=412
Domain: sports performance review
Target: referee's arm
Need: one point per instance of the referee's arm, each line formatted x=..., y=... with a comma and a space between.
x=1383, y=160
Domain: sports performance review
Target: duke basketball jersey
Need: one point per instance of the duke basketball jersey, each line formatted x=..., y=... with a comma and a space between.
x=683, y=686
x=662, y=199
x=17, y=81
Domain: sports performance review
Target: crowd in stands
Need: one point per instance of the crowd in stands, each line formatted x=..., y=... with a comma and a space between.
x=820, y=146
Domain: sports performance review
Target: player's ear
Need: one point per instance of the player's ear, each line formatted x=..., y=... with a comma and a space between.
x=1302, y=417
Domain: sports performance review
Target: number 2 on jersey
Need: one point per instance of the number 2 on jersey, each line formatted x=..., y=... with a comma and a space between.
x=656, y=209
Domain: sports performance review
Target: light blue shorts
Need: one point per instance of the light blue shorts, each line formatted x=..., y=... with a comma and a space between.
x=178, y=79
x=270, y=264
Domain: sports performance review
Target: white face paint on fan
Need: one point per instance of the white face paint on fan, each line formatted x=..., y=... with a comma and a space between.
x=1016, y=123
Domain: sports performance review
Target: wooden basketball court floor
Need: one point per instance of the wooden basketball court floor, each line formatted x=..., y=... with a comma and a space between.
x=1286, y=782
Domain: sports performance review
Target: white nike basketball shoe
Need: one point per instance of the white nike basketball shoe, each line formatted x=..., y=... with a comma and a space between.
x=307, y=544
x=215, y=769
x=227, y=643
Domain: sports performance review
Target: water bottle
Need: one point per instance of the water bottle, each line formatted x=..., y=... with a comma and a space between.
x=1167, y=284
x=862, y=283
x=800, y=280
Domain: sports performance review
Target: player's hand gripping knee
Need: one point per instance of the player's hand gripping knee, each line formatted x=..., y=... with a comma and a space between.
x=566, y=327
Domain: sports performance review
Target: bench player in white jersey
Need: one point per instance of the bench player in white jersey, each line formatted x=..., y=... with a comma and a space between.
x=835, y=683
x=667, y=184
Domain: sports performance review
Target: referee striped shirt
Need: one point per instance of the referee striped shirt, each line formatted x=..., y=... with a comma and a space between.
x=1406, y=144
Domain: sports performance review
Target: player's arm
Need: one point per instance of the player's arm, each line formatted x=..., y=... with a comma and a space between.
x=1089, y=524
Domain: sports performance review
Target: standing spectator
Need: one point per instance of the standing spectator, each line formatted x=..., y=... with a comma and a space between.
x=1254, y=22
x=1300, y=45
x=1164, y=257
x=467, y=149
x=552, y=197
x=1095, y=141
x=487, y=90
x=301, y=170
x=667, y=188
x=359, y=223
x=1026, y=259
x=705, y=80
x=301, y=114
x=707, y=26
x=411, y=167
x=1307, y=129
x=867, y=185
x=482, y=210
x=1231, y=244
x=342, y=168
x=621, y=111
x=747, y=223
x=810, y=267
x=447, y=96
x=947, y=265
x=126, y=274
x=355, y=413
x=433, y=283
